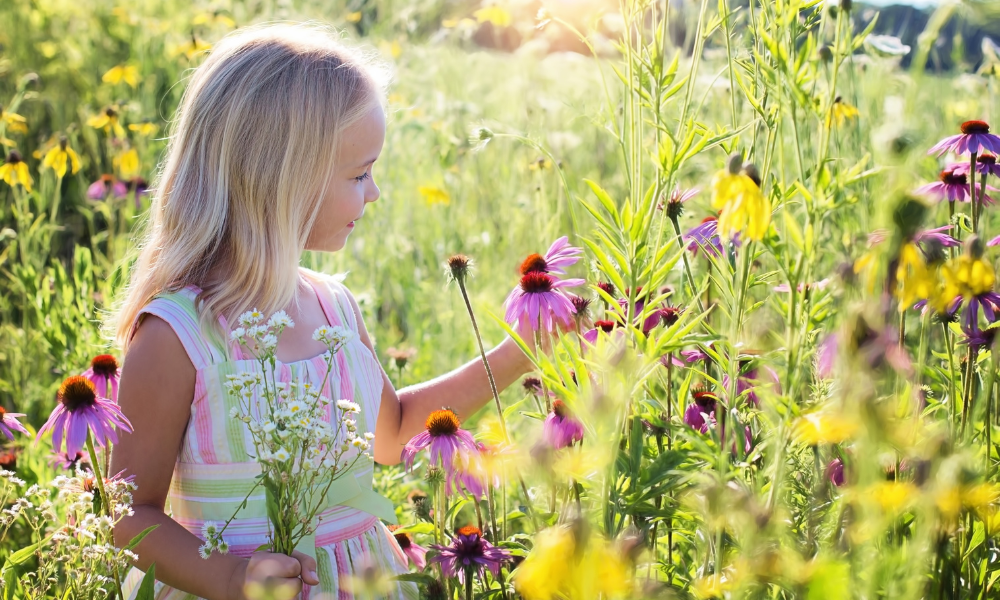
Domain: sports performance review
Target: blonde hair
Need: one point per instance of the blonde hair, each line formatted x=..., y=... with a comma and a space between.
x=253, y=145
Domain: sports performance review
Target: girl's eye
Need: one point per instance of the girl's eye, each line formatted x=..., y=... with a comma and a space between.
x=362, y=177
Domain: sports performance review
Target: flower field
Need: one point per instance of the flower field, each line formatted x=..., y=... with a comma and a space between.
x=756, y=255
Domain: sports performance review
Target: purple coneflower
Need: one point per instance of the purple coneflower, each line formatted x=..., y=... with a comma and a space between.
x=81, y=409
x=600, y=325
x=975, y=138
x=702, y=411
x=835, y=472
x=446, y=440
x=69, y=462
x=107, y=183
x=986, y=164
x=469, y=552
x=705, y=235
x=953, y=186
x=9, y=423
x=559, y=256
x=675, y=203
x=103, y=373
x=561, y=428
x=414, y=551
x=750, y=379
x=539, y=301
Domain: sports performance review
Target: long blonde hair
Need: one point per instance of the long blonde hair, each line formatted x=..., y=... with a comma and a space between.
x=253, y=145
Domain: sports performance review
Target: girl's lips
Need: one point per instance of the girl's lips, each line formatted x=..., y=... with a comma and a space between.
x=351, y=224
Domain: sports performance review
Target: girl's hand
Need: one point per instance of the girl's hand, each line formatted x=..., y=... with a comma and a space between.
x=275, y=574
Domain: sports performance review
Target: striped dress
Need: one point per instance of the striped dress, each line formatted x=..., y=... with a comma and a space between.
x=215, y=469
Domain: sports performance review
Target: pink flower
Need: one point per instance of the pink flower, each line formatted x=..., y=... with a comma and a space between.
x=835, y=472
x=446, y=441
x=103, y=373
x=953, y=186
x=9, y=423
x=561, y=428
x=80, y=410
x=558, y=257
x=416, y=553
x=468, y=553
x=975, y=138
x=539, y=302
x=100, y=188
x=67, y=462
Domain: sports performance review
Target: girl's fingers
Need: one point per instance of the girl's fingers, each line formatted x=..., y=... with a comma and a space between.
x=308, y=567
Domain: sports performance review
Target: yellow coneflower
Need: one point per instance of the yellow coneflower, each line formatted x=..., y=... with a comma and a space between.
x=495, y=14
x=744, y=207
x=841, y=112
x=192, y=48
x=213, y=18
x=127, y=73
x=825, y=428
x=144, y=129
x=914, y=278
x=15, y=171
x=14, y=121
x=434, y=195
x=61, y=156
x=108, y=121
x=127, y=164
x=558, y=568
x=353, y=17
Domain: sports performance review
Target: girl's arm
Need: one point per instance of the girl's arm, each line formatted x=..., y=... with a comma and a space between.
x=465, y=390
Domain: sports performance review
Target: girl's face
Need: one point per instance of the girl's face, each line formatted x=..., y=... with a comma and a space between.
x=352, y=187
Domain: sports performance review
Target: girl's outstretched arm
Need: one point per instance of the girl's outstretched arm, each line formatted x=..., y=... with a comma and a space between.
x=465, y=390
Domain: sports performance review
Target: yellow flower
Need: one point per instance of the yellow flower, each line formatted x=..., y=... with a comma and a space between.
x=353, y=17
x=556, y=568
x=207, y=18
x=14, y=121
x=59, y=156
x=192, y=48
x=744, y=208
x=497, y=15
x=434, y=195
x=841, y=111
x=540, y=164
x=108, y=121
x=15, y=171
x=965, y=276
x=825, y=428
x=894, y=496
x=144, y=129
x=914, y=278
x=712, y=586
x=128, y=164
x=127, y=73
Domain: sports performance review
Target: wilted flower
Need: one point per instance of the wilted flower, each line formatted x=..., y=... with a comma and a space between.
x=81, y=409
x=975, y=138
x=561, y=428
x=469, y=553
x=446, y=440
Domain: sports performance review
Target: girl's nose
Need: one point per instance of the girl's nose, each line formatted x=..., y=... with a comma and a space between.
x=373, y=194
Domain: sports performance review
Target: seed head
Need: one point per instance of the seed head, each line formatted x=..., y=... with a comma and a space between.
x=735, y=163
x=581, y=306
x=532, y=385
x=535, y=263
x=442, y=422
x=609, y=288
x=536, y=283
x=458, y=267
x=104, y=365
x=77, y=392
x=974, y=246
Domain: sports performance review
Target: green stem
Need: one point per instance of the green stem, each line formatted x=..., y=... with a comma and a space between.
x=105, y=501
x=486, y=363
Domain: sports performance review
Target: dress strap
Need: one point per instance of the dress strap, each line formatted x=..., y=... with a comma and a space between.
x=180, y=311
x=333, y=299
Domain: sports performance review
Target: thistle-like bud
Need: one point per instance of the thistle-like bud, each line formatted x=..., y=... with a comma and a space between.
x=974, y=246
x=434, y=476
x=735, y=163
x=825, y=53
x=458, y=267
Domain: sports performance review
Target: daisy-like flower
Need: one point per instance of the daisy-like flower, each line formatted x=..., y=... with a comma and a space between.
x=953, y=186
x=561, y=428
x=81, y=409
x=445, y=439
x=9, y=423
x=975, y=138
x=538, y=301
x=414, y=551
x=61, y=157
x=986, y=164
x=468, y=553
x=107, y=184
x=15, y=171
x=744, y=207
x=108, y=121
x=557, y=258
x=103, y=373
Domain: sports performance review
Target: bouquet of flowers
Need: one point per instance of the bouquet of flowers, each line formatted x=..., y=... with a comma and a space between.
x=300, y=453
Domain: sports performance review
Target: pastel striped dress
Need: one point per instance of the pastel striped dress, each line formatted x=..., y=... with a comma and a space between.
x=215, y=468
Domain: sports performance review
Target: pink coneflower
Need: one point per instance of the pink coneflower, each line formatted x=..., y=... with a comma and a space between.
x=469, y=553
x=539, y=301
x=953, y=186
x=446, y=440
x=103, y=372
x=986, y=164
x=561, y=428
x=414, y=551
x=607, y=287
x=835, y=472
x=599, y=325
x=975, y=138
x=80, y=410
x=107, y=184
x=69, y=462
x=702, y=411
x=9, y=423
x=705, y=235
x=675, y=203
x=559, y=256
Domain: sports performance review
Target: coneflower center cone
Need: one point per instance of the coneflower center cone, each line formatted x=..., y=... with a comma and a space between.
x=535, y=263
x=971, y=127
x=403, y=539
x=442, y=422
x=535, y=282
x=77, y=392
x=470, y=530
x=104, y=365
x=560, y=409
x=952, y=178
x=705, y=400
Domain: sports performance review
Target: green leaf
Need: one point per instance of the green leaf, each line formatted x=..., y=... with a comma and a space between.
x=416, y=578
x=138, y=538
x=146, y=588
x=606, y=201
x=9, y=583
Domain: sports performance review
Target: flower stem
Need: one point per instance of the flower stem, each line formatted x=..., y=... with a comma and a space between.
x=486, y=363
x=105, y=501
x=468, y=583
x=972, y=193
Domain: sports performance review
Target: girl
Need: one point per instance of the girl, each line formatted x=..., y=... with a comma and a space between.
x=271, y=155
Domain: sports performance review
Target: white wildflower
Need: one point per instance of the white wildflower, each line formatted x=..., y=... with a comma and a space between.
x=281, y=455
x=280, y=320
x=348, y=406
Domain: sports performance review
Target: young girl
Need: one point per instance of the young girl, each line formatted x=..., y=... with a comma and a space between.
x=271, y=155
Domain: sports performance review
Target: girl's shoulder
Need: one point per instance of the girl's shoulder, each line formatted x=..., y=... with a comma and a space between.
x=178, y=308
x=335, y=290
